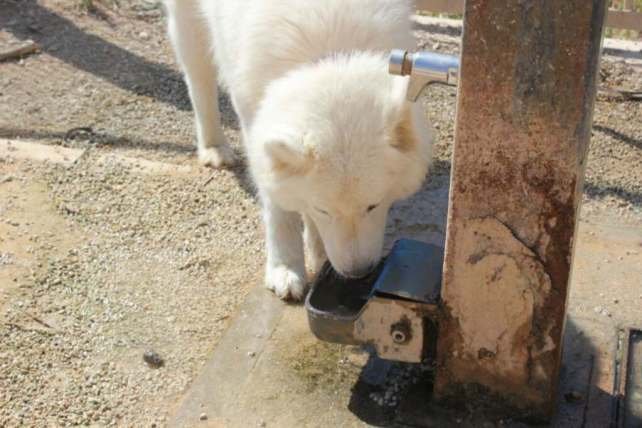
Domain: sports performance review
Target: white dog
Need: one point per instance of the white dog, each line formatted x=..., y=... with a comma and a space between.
x=330, y=138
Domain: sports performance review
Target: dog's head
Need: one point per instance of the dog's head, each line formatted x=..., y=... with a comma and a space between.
x=338, y=142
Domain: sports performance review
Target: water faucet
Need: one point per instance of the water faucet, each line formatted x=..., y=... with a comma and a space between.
x=423, y=68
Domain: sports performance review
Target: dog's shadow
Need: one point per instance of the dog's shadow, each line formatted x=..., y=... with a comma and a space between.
x=63, y=39
x=422, y=216
x=411, y=403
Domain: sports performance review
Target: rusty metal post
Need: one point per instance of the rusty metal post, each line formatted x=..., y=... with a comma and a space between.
x=525, y=103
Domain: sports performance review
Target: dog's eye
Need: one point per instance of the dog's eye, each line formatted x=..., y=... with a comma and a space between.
x=372, y=207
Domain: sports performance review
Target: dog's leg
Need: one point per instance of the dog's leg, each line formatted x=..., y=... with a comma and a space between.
x=314, y=249
x=190, y=38
x=285, y=270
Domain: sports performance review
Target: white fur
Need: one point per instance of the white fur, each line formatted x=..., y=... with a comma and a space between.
x=318, y=113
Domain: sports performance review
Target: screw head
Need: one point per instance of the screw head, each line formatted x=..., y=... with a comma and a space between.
x=399, y=336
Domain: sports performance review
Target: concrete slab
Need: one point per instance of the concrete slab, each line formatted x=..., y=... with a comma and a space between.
x=270, y=371
x=23, y=149
x=18, y=149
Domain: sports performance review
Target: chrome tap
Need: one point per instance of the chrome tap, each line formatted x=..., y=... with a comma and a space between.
x=423, y=68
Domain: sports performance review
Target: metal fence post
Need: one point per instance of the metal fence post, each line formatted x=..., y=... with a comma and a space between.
x=525, y=103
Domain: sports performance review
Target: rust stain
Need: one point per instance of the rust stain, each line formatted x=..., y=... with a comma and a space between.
x=404, y=325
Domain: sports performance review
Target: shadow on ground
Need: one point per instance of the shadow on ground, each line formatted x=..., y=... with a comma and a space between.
x=627, y=139
x=61, y=38
x=96, y=138
x=581, y=403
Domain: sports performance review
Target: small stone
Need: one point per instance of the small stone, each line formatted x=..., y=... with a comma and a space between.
x=153, y=359
x=203, y=416
x=262, y=424
x=251, y=354
x=143, y=35
x=6, y=179
x=436, y=46
x=616, y=301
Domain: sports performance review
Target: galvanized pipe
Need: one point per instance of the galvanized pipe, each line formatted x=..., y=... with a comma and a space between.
x=424, y=68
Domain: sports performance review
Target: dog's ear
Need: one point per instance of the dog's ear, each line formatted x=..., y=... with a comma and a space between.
x=288, y=158
x=404, y=137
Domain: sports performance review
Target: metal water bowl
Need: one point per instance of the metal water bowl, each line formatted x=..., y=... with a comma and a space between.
x=395, y=309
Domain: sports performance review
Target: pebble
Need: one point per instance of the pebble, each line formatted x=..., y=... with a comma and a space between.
x=203, y=416
x=251, y=354
x=143, y=35
x=153, y=359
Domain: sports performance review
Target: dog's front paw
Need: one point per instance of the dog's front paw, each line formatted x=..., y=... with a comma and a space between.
x=286, y=284
x=218, y=156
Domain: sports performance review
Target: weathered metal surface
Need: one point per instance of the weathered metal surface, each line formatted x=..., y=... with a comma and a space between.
x=382, y=318
x=526, y=93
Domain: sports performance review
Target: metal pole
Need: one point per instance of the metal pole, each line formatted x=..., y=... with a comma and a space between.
x=525, y=103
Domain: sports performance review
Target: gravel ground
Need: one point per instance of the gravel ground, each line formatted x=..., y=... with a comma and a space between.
x=161, y=264
x=100, y=263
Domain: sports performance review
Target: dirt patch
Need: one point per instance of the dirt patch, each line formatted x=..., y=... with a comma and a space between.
x=327, y=365
x=32, y=232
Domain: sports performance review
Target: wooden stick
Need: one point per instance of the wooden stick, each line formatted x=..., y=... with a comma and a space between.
x=16, y=52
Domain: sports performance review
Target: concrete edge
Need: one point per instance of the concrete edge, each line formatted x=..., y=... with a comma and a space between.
x=29, y=150
x=20, y=149
x=234, y=358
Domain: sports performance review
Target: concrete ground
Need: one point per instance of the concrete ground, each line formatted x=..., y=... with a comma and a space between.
x=114, y=241
x=269, y=370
